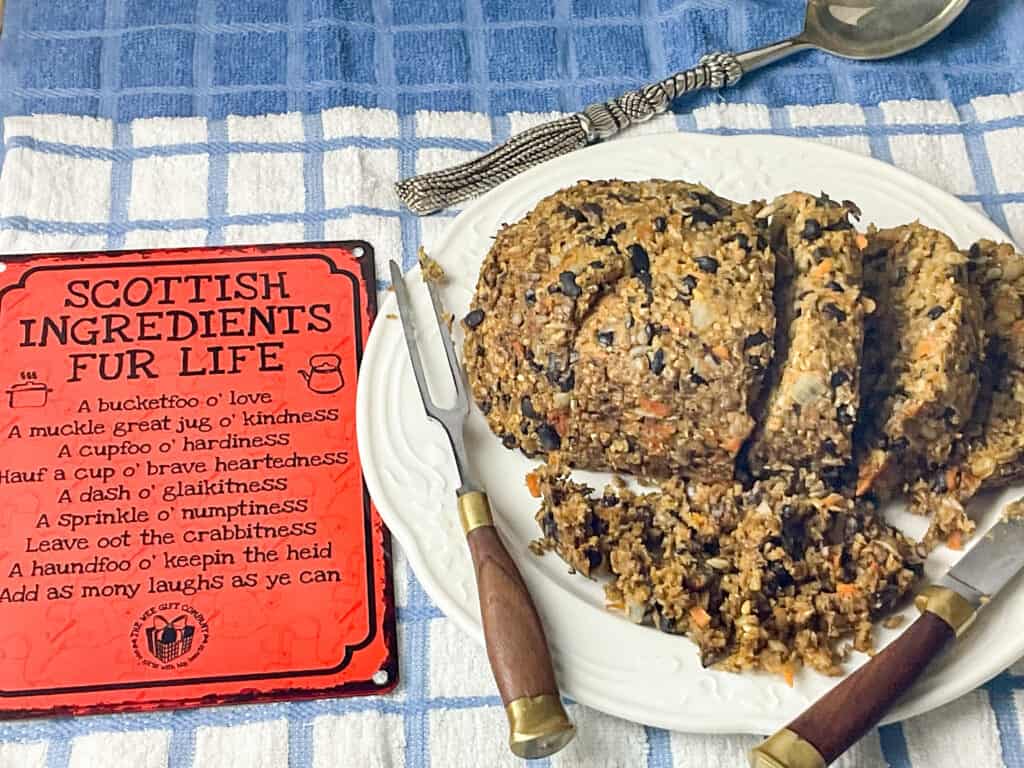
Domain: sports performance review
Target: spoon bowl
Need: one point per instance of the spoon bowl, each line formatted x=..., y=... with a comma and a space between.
x=876, y=29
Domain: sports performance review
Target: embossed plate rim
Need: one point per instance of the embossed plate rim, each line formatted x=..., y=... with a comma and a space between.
x=411, y=476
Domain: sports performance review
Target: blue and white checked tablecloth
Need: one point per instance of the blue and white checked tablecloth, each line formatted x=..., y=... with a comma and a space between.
x=152, y=129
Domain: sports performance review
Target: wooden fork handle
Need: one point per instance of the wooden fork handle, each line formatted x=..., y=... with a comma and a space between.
x=840, y=718
x=516, y=645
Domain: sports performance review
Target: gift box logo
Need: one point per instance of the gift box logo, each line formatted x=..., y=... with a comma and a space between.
x=167, y=640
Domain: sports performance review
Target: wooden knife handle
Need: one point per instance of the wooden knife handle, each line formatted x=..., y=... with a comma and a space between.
x=516, y=645
x=840, y=718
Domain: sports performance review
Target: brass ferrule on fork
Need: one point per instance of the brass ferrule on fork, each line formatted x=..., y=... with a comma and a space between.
x=474, y=511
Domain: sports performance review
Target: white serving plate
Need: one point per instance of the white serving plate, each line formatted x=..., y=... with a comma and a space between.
x=601, y=659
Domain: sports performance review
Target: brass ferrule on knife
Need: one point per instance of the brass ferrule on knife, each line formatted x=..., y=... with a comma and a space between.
x=786, y=750
x=538, y=726
x=474, y=511
x=949, y=606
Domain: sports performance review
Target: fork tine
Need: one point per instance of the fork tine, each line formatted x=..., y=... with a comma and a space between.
x=409, y=329
x=461, y=398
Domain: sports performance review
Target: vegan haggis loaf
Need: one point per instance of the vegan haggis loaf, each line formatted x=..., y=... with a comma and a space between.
x=922, y=355
x=810, y=404
x=627, y=326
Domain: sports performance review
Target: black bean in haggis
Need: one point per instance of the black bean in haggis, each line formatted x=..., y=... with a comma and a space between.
x=812, y=230
x=697, y=379
x=660, y=224
x=707, y=264
x=531, y=297
x=755, y=340
x=527, y=409
x=567, y=384
x=658, y=362
x=639, y=259
x=835, y=312
x=936, y=312
x=509, y=441
x=572, y=213
x=700, y=216
x=549, y=437
x=595, y=209
x=832, y=285
x=689, y=283
x=474, y=318
x=838, y=379
x=606, y=338
x=567, y=280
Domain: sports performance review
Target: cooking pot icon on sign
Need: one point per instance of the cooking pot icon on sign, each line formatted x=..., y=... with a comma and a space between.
x=324, y=375
x=28, y=394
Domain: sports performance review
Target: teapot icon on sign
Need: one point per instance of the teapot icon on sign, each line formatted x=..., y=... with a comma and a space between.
x=324, y=374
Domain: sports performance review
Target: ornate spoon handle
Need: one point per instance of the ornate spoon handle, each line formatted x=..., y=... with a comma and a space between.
x=431, y=192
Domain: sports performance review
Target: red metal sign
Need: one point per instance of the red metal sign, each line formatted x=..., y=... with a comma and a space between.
x=183, y=518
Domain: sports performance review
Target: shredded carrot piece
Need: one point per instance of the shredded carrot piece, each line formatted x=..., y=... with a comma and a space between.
x=924, y=347
x=822, y=269
x=533, y=483
x=847, y=590
x=952, y=479
x=865, y=478
x=699, y=616
x=788, y=674
x=955, y=540
x=655, y=408
x=862, y=242
x=832, y=501
x=733, y=445
x=721, y=352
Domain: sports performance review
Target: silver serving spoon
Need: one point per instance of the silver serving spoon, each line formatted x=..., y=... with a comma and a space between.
x=853, y=29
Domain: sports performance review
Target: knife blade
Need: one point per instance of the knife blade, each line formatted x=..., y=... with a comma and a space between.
x=948, y=607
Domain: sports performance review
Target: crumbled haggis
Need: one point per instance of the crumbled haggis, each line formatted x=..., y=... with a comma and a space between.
x=893, y=622
x=431, y=271
x=1014, y=510
x=770, y=577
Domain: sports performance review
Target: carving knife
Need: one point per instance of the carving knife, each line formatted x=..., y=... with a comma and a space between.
x=948, y=607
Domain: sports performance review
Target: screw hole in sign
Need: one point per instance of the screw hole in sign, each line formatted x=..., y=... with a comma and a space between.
x=358, y=252
x=3, y=266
